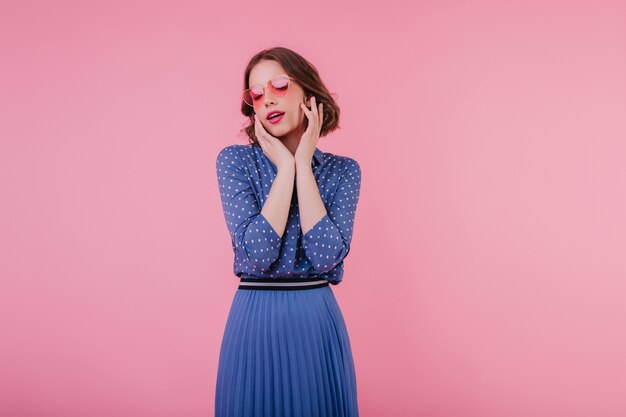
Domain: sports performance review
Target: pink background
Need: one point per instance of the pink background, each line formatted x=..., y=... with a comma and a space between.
x=487, y=272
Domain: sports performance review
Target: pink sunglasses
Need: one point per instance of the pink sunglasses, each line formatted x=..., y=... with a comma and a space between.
x=278, y=85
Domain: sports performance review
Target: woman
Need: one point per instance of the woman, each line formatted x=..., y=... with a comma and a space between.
x=289, y=209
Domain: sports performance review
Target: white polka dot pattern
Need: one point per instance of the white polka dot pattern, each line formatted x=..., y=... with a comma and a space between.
x=245, y=176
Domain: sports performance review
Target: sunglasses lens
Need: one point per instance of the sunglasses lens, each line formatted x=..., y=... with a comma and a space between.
x=256, y=94
x=252, y=97
x=280, y=84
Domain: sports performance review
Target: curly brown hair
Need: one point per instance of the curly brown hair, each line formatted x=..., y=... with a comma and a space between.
x=306, y=75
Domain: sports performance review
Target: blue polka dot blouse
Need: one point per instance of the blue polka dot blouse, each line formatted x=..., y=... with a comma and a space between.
x=245, y=176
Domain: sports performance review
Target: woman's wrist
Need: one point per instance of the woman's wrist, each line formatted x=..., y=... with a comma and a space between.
x=287, y=167
x=300, y=162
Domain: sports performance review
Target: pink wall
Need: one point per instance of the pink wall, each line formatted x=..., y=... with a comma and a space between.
x=487, y=274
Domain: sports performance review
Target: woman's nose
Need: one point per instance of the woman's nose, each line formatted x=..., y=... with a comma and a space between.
x=269, y=98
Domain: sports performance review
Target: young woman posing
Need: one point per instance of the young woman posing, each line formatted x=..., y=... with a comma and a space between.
x=289, y=210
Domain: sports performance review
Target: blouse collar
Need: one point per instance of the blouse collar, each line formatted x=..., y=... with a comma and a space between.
x=318, y=156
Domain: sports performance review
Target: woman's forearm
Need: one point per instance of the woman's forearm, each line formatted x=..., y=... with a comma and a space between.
x=276, y=207
x=312, y=208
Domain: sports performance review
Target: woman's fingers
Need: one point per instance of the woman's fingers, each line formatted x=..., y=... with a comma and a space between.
x=314, y=108
x=309, y=115
x=307, y=112
x=263, y=132
x=258, y=127
x=258, y=132
x=317, y=112
x=315, y=115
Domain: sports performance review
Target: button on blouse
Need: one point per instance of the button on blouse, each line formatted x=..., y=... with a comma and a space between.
x=245, y=176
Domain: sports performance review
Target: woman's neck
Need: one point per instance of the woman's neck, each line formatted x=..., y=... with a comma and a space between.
x=292, y=140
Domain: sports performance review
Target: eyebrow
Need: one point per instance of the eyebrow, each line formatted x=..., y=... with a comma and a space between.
x=271, y=78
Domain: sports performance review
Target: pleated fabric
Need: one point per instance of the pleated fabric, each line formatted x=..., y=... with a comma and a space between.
x=285, y=354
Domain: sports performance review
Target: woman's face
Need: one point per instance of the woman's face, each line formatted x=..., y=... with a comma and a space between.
x=294, y=116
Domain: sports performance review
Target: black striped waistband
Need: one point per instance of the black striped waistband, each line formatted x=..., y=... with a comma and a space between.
x=282, y=283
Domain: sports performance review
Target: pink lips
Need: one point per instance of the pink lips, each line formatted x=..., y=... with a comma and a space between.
x=276, y=119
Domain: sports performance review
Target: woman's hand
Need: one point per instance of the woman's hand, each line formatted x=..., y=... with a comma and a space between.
x=308, y=142
x=272, y=147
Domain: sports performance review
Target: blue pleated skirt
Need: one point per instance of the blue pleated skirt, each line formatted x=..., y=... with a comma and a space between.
x=285, y=354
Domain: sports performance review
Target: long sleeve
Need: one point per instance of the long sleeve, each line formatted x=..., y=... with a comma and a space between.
x=252, y=236
x=328, y=242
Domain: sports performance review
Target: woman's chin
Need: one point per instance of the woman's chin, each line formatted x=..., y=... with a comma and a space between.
x=279, y=130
